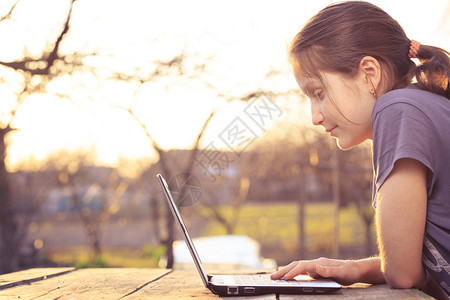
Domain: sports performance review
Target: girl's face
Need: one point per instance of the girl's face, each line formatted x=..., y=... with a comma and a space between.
x=342, y=105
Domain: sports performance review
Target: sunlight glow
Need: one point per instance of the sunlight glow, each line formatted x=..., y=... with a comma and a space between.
x=238, y=44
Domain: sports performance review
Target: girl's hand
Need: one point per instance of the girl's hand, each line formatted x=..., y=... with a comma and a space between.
x=345, y=272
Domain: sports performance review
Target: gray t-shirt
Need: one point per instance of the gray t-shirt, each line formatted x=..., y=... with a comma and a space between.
x=412, y=123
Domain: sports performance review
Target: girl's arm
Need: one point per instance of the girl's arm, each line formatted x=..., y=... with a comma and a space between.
x=400, y=219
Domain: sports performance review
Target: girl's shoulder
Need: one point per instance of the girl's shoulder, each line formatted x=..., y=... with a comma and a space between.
x=413, y=96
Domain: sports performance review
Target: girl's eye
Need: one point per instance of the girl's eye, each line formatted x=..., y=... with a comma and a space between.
x=319, y=95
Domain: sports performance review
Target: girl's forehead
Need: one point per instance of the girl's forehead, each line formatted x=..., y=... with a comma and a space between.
x=323, y=79
x=306, y=83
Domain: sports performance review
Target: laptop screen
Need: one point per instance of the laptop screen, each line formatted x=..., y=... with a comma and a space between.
x=183, y=229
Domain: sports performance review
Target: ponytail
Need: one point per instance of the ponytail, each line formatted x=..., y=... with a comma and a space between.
x=434, y=71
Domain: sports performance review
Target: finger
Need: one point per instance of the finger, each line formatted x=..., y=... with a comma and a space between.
x=280, y=273
x=300, y=268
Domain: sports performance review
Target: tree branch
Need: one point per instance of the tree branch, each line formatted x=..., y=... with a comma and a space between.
x=27, y=64
x=197, y=142
x=9, y=13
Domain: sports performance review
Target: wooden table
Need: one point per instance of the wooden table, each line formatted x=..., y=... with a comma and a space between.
x=128, y=283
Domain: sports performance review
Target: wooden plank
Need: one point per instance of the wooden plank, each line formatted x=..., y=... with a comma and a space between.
x=183, y=284
x=31, y=275
x=153, y=283
x=364, y=291
x=87, y=283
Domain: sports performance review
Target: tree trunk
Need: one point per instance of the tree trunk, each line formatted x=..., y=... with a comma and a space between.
x=94, y=240
x=154, y=208
x=8, y=227
x=368, y=239
x=301, y=214
x=170, y=238
x=89, y=223
x=336, y=202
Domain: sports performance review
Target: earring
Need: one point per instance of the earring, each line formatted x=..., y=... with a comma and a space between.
x=373, y=92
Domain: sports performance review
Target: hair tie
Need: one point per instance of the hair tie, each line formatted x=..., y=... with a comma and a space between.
x=413, y=49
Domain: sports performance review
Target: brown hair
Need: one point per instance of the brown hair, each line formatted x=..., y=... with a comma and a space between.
x=340, y=35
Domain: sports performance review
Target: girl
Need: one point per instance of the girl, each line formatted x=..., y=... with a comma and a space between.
x=355, y=64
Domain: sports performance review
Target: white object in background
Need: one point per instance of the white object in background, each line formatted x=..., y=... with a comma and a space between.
x=224, y=249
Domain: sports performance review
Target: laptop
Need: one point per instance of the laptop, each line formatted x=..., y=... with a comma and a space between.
x=239, y=285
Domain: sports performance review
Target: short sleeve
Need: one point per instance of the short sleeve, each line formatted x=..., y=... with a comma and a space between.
x=401, y=130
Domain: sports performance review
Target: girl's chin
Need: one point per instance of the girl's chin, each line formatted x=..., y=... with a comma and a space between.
x=343, y=145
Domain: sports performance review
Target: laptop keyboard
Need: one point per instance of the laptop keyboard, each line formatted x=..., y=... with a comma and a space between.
x=263, y=280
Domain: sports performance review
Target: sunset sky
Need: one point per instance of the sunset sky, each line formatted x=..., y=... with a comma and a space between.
x=239, y=42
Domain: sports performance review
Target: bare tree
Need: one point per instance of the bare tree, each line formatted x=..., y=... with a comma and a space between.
x=29, y=68
x=168, y=173
x=186, y=167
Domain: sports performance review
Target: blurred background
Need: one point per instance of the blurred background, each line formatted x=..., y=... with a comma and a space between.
x=99, y=96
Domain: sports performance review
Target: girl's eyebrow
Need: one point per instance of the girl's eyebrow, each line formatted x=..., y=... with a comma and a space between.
x=309, y=87
x=306, y=86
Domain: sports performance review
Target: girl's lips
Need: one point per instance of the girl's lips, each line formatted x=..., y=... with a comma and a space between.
x=330, y=129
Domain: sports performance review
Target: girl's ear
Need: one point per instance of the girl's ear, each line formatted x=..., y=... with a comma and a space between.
x=371, y=69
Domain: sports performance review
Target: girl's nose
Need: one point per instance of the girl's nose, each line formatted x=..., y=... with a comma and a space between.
x=316, y=114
